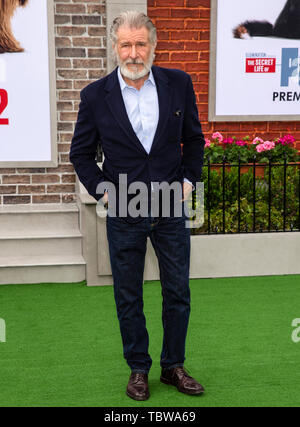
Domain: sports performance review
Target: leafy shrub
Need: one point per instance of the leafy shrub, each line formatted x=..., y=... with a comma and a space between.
x=239, y=211
x=231, y=150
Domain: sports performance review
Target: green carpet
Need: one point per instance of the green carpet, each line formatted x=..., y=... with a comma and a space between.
x=64, y=348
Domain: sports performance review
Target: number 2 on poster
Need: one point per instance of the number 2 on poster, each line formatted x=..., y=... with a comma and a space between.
x=3, y=105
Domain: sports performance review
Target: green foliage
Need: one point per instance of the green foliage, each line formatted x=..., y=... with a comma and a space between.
x=240, y=216
x=232, y=150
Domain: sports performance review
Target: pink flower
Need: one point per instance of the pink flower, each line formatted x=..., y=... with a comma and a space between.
x=228, y=141
x=207, y=143
x=260, y=148
x=241, y=143
x=218, y=136
x=258, y=140
x=268, y=145
x=287, y=140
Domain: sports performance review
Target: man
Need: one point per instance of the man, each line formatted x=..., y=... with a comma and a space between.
x=140, y=114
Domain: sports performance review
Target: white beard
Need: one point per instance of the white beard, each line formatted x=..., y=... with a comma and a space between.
x=135, y=75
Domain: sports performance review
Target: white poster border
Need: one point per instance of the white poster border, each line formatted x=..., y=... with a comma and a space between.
x=212, y=116
x=53, y=106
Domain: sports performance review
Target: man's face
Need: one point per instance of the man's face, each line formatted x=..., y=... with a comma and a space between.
x=134, y=52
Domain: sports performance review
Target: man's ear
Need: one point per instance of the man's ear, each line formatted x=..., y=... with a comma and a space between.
x=114, y=48
x=114, y=53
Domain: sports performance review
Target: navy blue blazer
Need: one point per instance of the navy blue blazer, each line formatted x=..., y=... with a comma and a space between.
x=102, y=119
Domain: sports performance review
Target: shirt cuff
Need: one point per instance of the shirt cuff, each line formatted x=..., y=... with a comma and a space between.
x=189, y=182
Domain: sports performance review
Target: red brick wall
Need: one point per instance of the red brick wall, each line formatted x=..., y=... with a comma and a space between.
x=80, y=32
x=184, y=33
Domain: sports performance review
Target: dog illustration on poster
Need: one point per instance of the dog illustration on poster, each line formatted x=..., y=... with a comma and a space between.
x=8, y=43
x=287, y=25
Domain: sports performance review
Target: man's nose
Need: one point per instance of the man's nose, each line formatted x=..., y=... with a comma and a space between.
x=133, y=52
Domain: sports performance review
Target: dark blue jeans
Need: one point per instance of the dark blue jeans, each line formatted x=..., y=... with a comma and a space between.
x=127, y=245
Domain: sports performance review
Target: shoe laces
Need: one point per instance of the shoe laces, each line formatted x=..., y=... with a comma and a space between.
x=138, y=376
x=182, y=372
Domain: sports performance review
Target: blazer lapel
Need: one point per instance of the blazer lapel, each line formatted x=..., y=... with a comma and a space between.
x=164, y=92
x=116, y=105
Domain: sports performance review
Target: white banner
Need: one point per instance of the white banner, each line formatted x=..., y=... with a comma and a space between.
x=25, y=113
x=256, y=59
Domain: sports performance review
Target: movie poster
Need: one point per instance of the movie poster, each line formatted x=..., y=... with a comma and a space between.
x=255, y=60
x=27, y=116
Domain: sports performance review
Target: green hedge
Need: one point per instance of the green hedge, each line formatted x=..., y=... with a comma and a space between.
x=246, y=199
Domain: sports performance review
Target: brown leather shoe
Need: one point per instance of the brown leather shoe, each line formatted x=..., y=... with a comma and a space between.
x=180, y=379
x=137, y=387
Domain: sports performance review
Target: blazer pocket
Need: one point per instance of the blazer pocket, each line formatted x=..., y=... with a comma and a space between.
x=175, y=126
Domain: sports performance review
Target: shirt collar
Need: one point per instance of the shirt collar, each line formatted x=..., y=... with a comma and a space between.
x=123, y=84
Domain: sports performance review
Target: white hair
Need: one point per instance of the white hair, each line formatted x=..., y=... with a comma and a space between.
x=133, y=19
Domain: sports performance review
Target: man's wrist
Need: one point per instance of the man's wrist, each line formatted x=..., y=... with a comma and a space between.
x=189, y=182
x=104, y=199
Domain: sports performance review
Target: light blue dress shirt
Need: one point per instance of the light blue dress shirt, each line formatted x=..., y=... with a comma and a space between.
x=142, y=109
